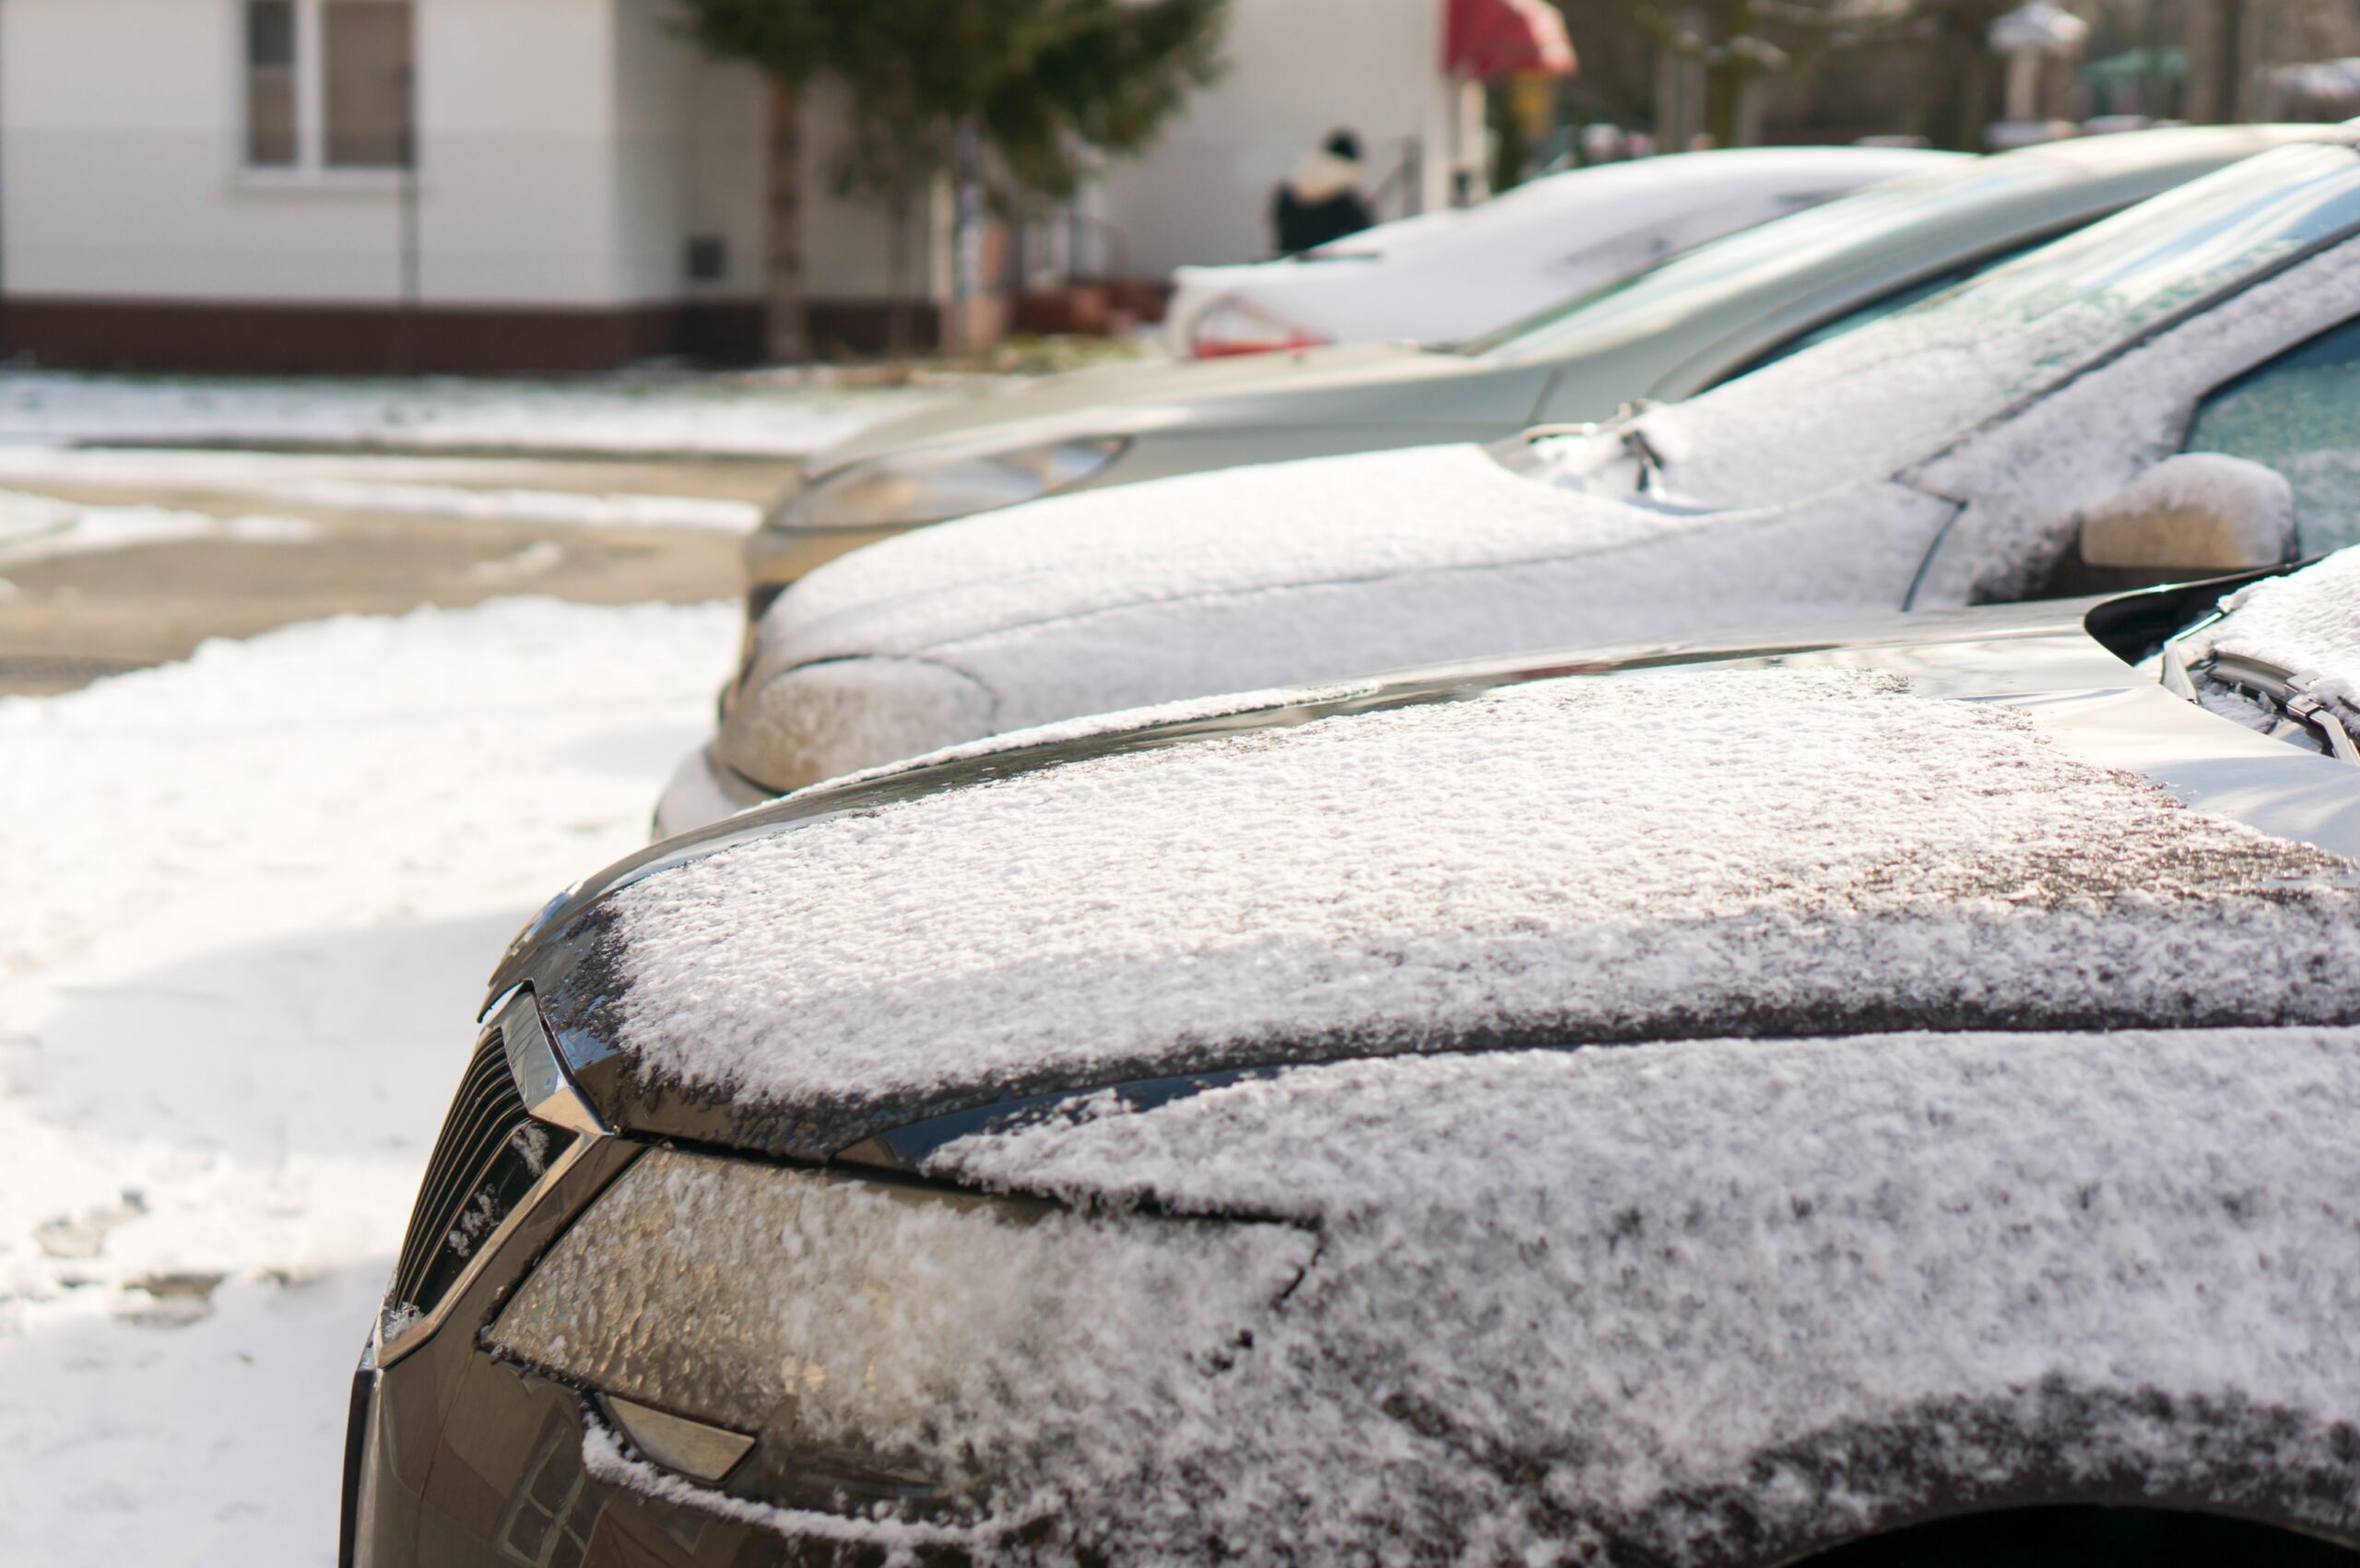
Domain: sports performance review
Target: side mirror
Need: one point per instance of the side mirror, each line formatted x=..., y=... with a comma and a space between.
x=2194, y=515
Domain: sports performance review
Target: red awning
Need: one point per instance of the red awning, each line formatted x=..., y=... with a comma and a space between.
x=1488, y=37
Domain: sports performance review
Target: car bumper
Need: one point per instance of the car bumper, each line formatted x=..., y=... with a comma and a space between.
x=456, y=1461
x=703, y=790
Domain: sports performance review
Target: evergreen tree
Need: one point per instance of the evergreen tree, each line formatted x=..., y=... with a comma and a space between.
x=1046, y=85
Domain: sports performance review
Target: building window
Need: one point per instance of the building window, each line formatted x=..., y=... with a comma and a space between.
x=329, y=84
x=271, y=83
x=367, y=48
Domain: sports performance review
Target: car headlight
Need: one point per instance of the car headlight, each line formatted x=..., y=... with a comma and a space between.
x=815, y=1339
x=914, y=487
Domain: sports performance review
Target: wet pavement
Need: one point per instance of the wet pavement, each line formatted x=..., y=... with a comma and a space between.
x=372, y=535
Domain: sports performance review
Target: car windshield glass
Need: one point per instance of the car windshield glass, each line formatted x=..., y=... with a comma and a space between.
x=1898, y=390
x=1792, y=246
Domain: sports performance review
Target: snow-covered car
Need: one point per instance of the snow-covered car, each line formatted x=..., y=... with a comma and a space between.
x=1948, y=454
x=1671, y=330
x=1443, y=276
x=1700, y=1105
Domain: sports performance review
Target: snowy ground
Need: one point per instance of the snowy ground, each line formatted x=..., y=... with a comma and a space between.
x=769, y=414
x=251, y=902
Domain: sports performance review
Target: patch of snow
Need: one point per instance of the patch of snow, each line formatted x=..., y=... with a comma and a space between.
x=1698, y=1298
x=1898, y=390
x=554, y=508
x=256, y=897
x=750, y=416
x=38, y=528
x=528, y=560
x=2306, y=623
x=2198, y=509
x=2029, y=477
x=1572, y=858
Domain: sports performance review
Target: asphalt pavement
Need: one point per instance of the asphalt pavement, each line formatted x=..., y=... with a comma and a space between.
x=70, y=618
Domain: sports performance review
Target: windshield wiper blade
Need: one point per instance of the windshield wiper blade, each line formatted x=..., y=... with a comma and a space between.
x=2276, y=687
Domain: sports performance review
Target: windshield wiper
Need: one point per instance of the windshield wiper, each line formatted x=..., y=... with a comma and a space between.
x=1626, y=428
x=2268, y=684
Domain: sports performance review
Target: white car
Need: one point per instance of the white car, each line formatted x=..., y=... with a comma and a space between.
x=2171, y=392
x=1445, y=276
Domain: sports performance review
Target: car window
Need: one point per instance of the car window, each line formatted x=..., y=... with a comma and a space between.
x=1785, y=247
x=2299, y=414
x=1900, y=298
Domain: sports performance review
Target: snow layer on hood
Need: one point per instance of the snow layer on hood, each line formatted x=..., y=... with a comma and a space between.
x=1696, y=1299
x=2306, y=623
x=1321, y=570
x=1679, y=852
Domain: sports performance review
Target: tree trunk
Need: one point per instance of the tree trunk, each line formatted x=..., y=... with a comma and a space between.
x=897, y=309
x=785, y=339
x=1725, y=78
x=1723, y=102
x=1957, y=75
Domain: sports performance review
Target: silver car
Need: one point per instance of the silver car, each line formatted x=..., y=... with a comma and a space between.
x=2167, y=391
x=1670, y=331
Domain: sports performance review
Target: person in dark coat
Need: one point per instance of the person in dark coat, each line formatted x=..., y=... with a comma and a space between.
x=1321, y=200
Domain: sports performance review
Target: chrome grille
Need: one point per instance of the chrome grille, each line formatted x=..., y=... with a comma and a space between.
x=489, y=1156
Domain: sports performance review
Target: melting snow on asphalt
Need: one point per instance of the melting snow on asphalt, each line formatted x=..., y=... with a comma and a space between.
x=35, y=527
x=254, y=900
x=754, y=415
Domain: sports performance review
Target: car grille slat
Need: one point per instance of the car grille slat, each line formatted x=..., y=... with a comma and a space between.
x=488, y=1156
x=484, y=1110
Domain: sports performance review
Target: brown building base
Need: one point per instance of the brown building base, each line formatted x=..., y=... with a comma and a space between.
x=121, y=334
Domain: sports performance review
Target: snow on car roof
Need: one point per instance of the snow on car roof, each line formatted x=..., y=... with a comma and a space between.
x=1671, y=853
x=2306, y=623
x=1646, y=185
x=1723, y=1295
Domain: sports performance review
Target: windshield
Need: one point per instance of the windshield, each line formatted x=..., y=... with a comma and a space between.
x=1792, y=246
x=1899, y=389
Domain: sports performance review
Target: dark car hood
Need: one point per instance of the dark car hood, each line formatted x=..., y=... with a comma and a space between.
x=967, y=949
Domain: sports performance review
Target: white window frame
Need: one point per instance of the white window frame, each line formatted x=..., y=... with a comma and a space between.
x=311, y=166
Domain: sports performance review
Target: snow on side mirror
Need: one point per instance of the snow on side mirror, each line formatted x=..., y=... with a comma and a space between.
x=2189, y=516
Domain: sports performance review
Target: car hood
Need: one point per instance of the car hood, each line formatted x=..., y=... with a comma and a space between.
x=1121, y=399
x=1301, y=571
x=1984, y=820
x=1724, y=1303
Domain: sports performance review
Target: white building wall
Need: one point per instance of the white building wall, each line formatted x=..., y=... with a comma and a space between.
x=121, y=172
x=1297, y=70
x=855, y=245
x=691, y=159
x=518, y=195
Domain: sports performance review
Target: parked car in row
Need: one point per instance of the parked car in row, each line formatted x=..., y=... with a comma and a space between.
x=1453, y=274
x=1669, y=331
x=2165, y=392
x=1884, y=1092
